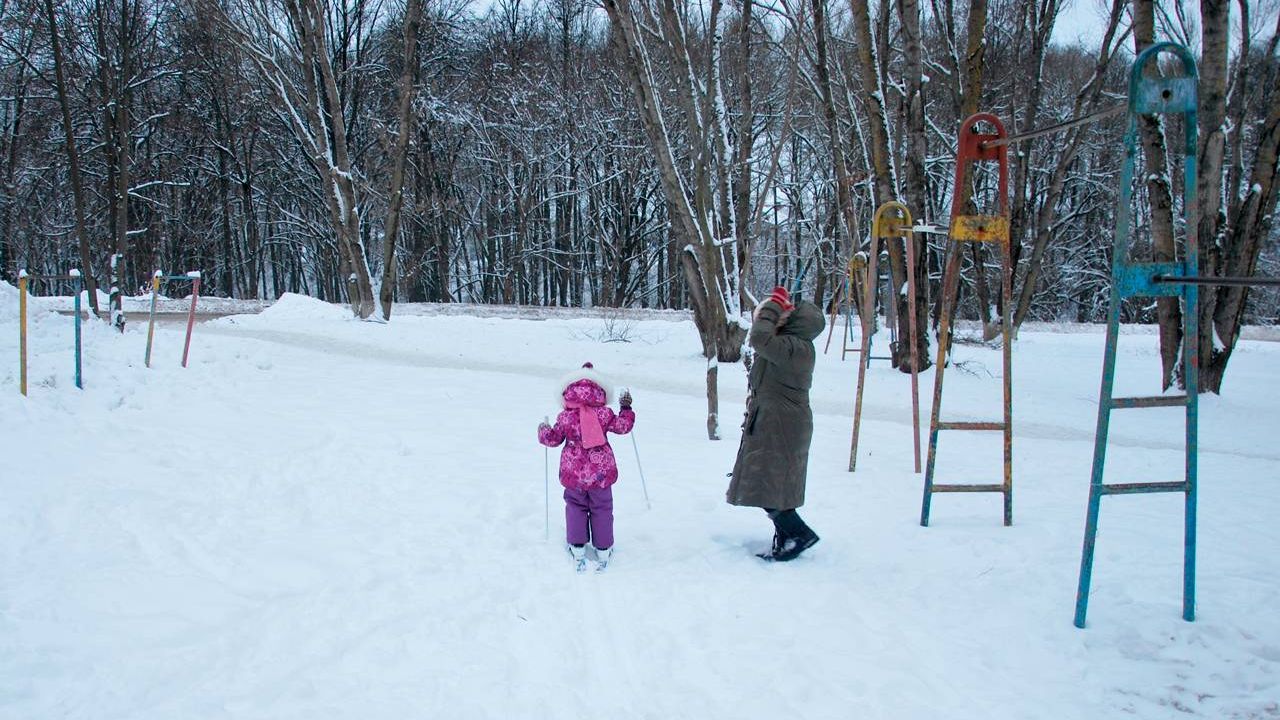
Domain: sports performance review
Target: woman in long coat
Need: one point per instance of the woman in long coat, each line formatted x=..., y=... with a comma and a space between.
x=774, y=455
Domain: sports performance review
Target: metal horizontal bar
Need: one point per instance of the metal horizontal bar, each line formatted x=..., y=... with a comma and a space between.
x=931, y=229
x=54, y=277
x=1059, y=127
x=1225, y=281
x=970, y=425
x=968, y=488
x=1149, y=401
x=1147, y=487
x=178, y=277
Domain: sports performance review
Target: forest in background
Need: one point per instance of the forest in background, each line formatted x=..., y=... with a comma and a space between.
x=430, y=151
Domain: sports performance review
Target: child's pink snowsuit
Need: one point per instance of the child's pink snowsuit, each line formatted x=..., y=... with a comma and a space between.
x=588, y=469
x=583, y=468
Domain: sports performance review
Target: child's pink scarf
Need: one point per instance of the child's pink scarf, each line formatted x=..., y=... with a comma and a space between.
x=588, y=423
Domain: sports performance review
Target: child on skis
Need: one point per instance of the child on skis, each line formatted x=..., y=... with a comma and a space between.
x=587, y=466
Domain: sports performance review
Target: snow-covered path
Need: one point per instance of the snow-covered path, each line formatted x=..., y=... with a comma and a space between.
x=323, y=518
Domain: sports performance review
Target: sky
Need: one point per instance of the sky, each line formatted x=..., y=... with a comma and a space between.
x=1085, y=20
x=1081, y=21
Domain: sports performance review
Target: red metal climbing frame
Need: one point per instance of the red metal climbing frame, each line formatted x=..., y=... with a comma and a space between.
x=973, y=148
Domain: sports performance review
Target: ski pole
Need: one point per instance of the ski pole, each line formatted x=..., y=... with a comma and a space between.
x=635, y=446
x=546, y=486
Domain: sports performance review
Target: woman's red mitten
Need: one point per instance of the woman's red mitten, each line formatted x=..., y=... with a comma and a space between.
x=782, y=298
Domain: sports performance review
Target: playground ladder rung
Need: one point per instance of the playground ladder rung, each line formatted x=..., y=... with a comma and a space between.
x=1142, y=487
x=971, y=426
x=1148, y=402
x=967, y=488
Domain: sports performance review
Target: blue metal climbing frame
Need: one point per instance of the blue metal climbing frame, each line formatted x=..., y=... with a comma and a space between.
x=1150, y=96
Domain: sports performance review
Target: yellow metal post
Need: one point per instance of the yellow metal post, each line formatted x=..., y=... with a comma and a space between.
x=22, y=331
x=151, y=326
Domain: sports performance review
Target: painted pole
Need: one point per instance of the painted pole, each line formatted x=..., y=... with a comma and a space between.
x=835, y=309
x=191, y=316
x=867, y=319
x=77, y=283
x=22, y=331
x=643, y=486
x=151, y=326
x=546, y=486
x=914, y=334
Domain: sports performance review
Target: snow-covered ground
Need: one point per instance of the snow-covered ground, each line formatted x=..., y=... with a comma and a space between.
x=323, y=518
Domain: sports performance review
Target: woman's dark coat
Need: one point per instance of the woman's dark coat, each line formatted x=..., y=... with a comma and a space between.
x=774, y=454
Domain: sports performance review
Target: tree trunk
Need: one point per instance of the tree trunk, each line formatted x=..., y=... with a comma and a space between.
x=405, y=90
x=851, y=241
x=915, y=186
x=886, y=185
x=1160, y=198
x=252, y=232
x=1246, y=230
x=224, y=200
x=746, y=139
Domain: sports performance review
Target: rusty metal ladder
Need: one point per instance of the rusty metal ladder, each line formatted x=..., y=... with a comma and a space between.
x=857, y=275
x=973, y=147
x=1152, y=96
x=892, y=219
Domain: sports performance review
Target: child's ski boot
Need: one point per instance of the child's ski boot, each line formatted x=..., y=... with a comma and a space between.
x=602, y=558
x=579, y=555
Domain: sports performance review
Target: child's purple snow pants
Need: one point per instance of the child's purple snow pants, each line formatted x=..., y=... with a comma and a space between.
x=593, y=508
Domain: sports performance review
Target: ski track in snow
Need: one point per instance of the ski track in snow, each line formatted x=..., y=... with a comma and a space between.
x=731, y=396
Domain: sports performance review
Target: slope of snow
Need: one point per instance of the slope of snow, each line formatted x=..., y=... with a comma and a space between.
x=324, y=518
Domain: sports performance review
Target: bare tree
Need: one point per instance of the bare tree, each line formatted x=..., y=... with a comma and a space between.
x=698, y=196
x=915, y=177
x=287, y=41
x=1065, y=151
x=405, y=92
x=1233, y=232
x=73, y=157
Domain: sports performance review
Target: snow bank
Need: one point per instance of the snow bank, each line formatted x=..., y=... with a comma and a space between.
x=292, y=309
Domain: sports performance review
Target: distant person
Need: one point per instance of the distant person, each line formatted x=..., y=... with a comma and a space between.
x=588, y=469
x=774, y=454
